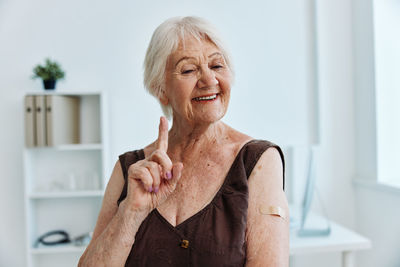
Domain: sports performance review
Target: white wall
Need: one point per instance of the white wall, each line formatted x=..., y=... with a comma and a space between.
x=102, y=46
x=336, y=161
x=97, y=48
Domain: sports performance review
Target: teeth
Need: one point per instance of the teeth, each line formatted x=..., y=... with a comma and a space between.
x=206, y=97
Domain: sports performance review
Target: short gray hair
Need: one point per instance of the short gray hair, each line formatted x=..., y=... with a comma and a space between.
x=165, y=41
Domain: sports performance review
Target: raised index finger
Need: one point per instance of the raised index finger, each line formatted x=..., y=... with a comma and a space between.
x=162, y=141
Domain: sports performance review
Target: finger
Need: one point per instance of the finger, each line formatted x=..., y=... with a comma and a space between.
x=164, y=161
x=176, y=176
x=162, y=141
x=177, y=172
x=154, y=169
x=141, y=173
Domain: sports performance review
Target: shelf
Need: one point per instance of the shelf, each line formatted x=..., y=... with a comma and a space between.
x=79, y=147
x=68, y=248
x=64, y=184
x=66, y=194
x=68, y=147
x=69, y=93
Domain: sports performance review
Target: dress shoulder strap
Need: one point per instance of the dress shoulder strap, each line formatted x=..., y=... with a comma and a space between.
x=126, y=160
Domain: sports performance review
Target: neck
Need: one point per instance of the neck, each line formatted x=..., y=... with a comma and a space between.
x=184, y=134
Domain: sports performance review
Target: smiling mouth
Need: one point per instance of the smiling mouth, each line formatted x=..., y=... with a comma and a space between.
x=206, y=98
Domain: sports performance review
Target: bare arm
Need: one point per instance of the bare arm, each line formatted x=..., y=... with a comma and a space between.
x=267, y=235
x=115, y=229
x=150, y=182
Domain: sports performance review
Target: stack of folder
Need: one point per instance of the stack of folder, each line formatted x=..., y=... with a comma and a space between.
x=51, y=120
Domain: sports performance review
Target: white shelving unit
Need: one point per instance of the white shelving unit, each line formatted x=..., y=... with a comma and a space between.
x=64, y=184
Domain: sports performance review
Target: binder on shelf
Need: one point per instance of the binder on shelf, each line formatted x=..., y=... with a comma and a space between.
x=30, y=121
x=62, y=119
x=40, y=120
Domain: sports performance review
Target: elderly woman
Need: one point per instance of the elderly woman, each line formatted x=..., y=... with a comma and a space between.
x=202, y=194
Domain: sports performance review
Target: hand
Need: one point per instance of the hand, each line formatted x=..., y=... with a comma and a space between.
x=152, y=180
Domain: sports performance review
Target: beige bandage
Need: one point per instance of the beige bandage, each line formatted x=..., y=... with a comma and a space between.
x=272, y=210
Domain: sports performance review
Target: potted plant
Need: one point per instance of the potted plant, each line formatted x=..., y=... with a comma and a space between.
x=50, y=73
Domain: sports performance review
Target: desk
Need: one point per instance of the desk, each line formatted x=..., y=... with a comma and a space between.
x=341, y=240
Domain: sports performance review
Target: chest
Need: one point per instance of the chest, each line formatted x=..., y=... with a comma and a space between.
x=202, y=178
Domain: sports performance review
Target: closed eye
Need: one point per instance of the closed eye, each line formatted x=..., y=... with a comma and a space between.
x=187, y=71
x=217, y=67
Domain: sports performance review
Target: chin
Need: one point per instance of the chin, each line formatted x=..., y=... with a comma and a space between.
x=211, y=117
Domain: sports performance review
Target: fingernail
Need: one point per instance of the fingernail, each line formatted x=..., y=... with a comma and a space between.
x=156, y=189
x=169, y=175
x=150, y=189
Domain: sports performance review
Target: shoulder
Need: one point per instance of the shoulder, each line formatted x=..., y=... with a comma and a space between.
x=271, y=158
x=234, y=135
x=256, y=153
x=132, y=153
x=253, y=147
x=130, y=157
x=265, y=159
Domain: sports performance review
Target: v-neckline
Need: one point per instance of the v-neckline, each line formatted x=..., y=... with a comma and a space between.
x=205, y=208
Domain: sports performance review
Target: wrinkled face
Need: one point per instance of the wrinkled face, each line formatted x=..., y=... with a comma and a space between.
x=197, y=82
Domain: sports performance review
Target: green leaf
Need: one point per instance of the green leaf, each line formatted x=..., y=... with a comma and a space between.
x=50, y=71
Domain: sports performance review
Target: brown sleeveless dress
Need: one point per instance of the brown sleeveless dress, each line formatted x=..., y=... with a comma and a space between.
x=214, y=236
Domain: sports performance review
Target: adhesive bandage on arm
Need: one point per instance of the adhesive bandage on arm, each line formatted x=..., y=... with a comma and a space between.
x=272, y=210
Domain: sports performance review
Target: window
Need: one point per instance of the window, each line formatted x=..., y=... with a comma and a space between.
x=387, y=85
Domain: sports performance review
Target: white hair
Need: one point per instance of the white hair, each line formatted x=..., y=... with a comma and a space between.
x=165, y=41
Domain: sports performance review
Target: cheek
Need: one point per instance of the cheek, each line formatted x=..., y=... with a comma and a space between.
x=225, y=82
x=225, y=87
x=179, y=93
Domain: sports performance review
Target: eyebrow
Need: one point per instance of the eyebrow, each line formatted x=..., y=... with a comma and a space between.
x=214, y=54
x=186, y=58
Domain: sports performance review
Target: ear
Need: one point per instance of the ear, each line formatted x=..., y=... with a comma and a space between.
x=163, y=98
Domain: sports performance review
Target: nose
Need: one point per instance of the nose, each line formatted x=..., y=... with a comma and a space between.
x=207, y=78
